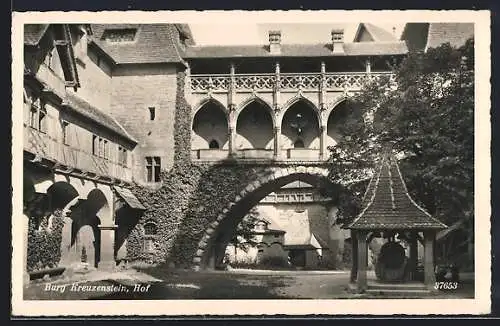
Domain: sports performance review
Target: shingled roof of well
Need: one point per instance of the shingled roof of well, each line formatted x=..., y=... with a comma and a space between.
x=153, y=43
x=388, y=205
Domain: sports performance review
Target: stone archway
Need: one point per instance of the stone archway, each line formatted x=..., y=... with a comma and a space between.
x=218, y=234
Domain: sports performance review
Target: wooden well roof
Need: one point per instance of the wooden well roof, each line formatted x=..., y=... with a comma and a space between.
x=387, y=205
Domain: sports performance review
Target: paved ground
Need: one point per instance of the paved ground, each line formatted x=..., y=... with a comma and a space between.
x=159, y=283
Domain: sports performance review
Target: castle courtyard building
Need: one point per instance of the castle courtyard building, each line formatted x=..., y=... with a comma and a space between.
x=100, y=117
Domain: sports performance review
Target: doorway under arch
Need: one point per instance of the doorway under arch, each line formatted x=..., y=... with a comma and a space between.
x=218, y=235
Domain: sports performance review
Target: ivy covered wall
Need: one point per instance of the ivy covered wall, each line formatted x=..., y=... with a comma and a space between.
x=44, y=242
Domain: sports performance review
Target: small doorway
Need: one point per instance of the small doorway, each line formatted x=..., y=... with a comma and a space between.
x=297, y=257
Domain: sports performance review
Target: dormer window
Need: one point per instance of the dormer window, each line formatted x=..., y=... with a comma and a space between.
x=119, y=35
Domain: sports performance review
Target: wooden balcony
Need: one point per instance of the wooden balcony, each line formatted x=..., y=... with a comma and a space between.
x=45, y=146
x=268, y=82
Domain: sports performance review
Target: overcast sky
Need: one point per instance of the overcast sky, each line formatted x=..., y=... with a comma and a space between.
x=251, y=33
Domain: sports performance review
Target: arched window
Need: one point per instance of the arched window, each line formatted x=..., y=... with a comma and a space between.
x=150, y=228
x=299, y=143
x=213, y=144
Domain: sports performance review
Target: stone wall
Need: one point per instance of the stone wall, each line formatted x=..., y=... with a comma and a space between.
x=135, y=88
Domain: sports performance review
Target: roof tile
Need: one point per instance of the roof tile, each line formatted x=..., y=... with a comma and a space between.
x=454, y=33
x=388, y=205
x=297, y=50
x=91, y=112
x=154, y=43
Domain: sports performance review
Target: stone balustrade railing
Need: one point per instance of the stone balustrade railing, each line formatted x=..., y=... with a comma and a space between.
x=269, y=82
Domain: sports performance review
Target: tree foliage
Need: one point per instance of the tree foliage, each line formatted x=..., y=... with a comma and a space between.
x=425, y=114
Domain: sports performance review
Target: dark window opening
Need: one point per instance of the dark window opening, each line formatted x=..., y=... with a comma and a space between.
x=64, y=126
x=105, y=149
x=33, y=117
x=150, y=228
x=94, y=145
x=42, y=120
x=213, y=144
x=152, y=113
x=299, y=143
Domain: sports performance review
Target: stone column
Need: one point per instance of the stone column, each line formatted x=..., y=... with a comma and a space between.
x=429, y=276
x=413, y=261
x=362, y=261
x=322, y=143
x=368, y=66
x=231, y=133
x=107, y=258
x=354, y=256
x=277, y=145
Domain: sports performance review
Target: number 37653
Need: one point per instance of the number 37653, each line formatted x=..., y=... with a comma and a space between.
x=446, y=285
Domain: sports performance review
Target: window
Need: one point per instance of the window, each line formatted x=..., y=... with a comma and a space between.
x=38, y=115
x=42, y=119
x=122, y=156
x=152, y=113
x=49, y=59
x=100, y=147
x=153, y=167
x=95, y=150
x=298, y=144
x=33, y=116
x=150, y=230
x=64, y=127
x=105, y=149
x=213, y=144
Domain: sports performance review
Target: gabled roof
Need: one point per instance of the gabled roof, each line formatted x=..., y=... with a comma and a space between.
x=34, y=33
x=153, y=43
x=421, y=36
x=387, y=205
x=377, y=34
x=77, y=104
x=297, y=50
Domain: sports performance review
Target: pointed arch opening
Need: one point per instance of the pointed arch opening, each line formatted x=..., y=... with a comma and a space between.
x=210, y=127
x=336, y=119
x=254, y=131
x=300, y=126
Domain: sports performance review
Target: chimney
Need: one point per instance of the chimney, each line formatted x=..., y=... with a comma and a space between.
x=275, y=42
x=337, y=40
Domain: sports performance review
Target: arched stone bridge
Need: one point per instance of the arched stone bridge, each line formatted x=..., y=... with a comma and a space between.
x=211, y=246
